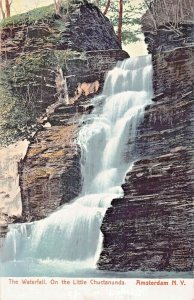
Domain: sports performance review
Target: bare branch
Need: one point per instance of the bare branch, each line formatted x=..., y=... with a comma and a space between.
x=151, y=14
x=170, y=12
x=107, y=7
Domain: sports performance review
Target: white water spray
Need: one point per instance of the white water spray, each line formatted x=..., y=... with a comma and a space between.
x=69, y=240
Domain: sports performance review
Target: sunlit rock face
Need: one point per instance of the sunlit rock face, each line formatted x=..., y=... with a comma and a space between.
x=151, y=227
x=10, y=157
x=10, y=194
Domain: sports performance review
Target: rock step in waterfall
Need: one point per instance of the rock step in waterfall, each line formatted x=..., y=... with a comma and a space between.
x=70, y=238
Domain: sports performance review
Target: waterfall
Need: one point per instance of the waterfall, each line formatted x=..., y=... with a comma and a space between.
x=69, y=241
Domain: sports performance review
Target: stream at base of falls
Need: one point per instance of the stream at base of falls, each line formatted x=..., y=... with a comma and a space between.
x=69, y=241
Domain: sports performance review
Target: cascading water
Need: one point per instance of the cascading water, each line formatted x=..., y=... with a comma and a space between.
x=69, y=241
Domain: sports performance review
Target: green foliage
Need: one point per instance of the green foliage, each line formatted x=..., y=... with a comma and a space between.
x=131, y=24
x=42, y=14
x=23, y=79
x=16, y=116
x=19, y=80
x=45, y=13
x=60, y=58
x=19, y=83
x=23, y=69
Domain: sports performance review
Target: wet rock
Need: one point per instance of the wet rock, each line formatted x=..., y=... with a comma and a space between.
x=151, y=227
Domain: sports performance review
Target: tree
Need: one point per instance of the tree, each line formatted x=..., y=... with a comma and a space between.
x=5, y=8
x=169, y=14
x=2, y=10
x=125, y=17
x=120, y=22
x=58, y=4
x=107, y=7
x=123, y=14
x=8, y=7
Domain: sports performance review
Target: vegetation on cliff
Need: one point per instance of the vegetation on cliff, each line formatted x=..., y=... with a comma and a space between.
x=45, y=13
x=21, y=82
x=34, y=46
x=168, y=14
x=16, y=116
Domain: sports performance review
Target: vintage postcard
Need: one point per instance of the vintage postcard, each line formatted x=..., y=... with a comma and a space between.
x=96, y=150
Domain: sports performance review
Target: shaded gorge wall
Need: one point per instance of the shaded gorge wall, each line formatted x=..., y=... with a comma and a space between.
x=150, y=228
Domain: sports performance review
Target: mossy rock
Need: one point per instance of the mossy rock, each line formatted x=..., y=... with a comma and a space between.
x=23, y=82
x=16, y=117
x=27, y=82
x=44, y=14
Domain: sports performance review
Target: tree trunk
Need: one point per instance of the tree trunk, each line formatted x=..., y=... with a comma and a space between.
x=107, y=7
x=120, y=21
x=58, y=4
x=8, y=10
x=2, y=10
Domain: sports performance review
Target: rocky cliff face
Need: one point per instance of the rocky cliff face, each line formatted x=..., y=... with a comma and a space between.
x=50, y=174
x=10, y=196
x=34, y=48
x=54, y=64
x=151, y=227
